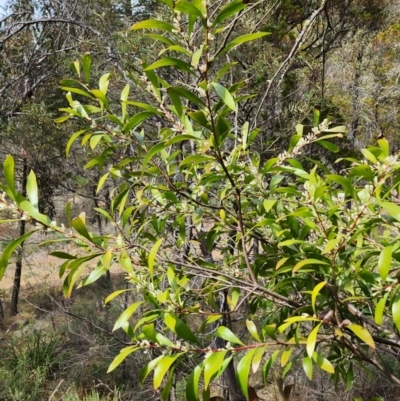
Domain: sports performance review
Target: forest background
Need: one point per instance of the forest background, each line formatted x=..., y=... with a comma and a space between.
x=273, y=92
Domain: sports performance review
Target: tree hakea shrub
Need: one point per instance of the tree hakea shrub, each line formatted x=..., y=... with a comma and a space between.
x=205, y=226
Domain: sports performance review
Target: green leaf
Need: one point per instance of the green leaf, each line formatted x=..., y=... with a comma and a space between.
x=379, y=309
x=79, y=225
x=153, y=24
x=152, y=255
x=232, y=8
x=251, y=327
x=285, y=357
x=243, y=39
x=224, y=333
x=121, y=357
x=115, y=294
x=72, y=140
x=149, y=368
x=212, y=365
x=162, y=368
x=312, y=339
x=135, y=120
x=268, y=365
x=188, y=8
x=192, y=384
x=86, y=63
x=9, y=250
x=180, y=328
x=392, y=209
x=384, y=262
x=362, y=333
x=8, y=169
x=171, y=62
x=323, y=363
x=225, y=95
x=305, y=262
x=268, y=204
x=369, y=156
x=153, y=151
x=329, y=145
x=395, y=311
x=307, y=367
x=315, y=293
x=125, y=315
x=32, y=190
x=243, y=370
x=258, y=355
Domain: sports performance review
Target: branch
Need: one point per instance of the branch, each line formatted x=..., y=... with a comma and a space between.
x=286, y=63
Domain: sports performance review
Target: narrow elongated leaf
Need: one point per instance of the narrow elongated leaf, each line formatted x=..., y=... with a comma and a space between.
x=135, y=120
x=315, y=293
x=232, y=8
x=162, y=367
x=251, y=327
x=121, y=357
x=8, y=169
x=115, y=294
x=9, y=250
x=152, y=255
x=243, y=370
x=362, y=333
x=395, y=311
x=79, y=225
x=192, y=385
x=225, y=95
x=32, y=190
x=379, y=309
x=384, y=262
x=323, y=363
x=243, y=39
x=171, y=62
x=212, y=365
x=180, y=328
x=188, y=8
x=267, y=366
x=125, y=315
x=227, y=335
x=392, y=209
x=86, y=63
x=306, y=262
x=258, y=355
x=312, y=339
x=153, y=24
x=307, y=367
x=153, y=151
x=285, y=357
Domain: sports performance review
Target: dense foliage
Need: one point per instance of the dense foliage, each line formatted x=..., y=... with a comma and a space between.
x=214, y=222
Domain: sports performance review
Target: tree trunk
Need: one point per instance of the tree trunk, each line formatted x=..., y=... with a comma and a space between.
x=18, y=264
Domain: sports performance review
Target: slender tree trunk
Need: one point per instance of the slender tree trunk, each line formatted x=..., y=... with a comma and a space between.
x=355, y=100
x=20, y=250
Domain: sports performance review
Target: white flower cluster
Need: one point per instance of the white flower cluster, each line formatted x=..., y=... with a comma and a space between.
x=303, y=142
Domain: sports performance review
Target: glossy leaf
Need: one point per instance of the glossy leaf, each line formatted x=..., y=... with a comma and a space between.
x=362, y=333
x=315, y=293
x=243, y=370
x=126, y=315
x=384, y=262
x=307, y=367
x=162, y=368
x=312, y=340
x=152, y=255
x=225, y=95
x=212, y=365
x=227, y=335
x=10, y=249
